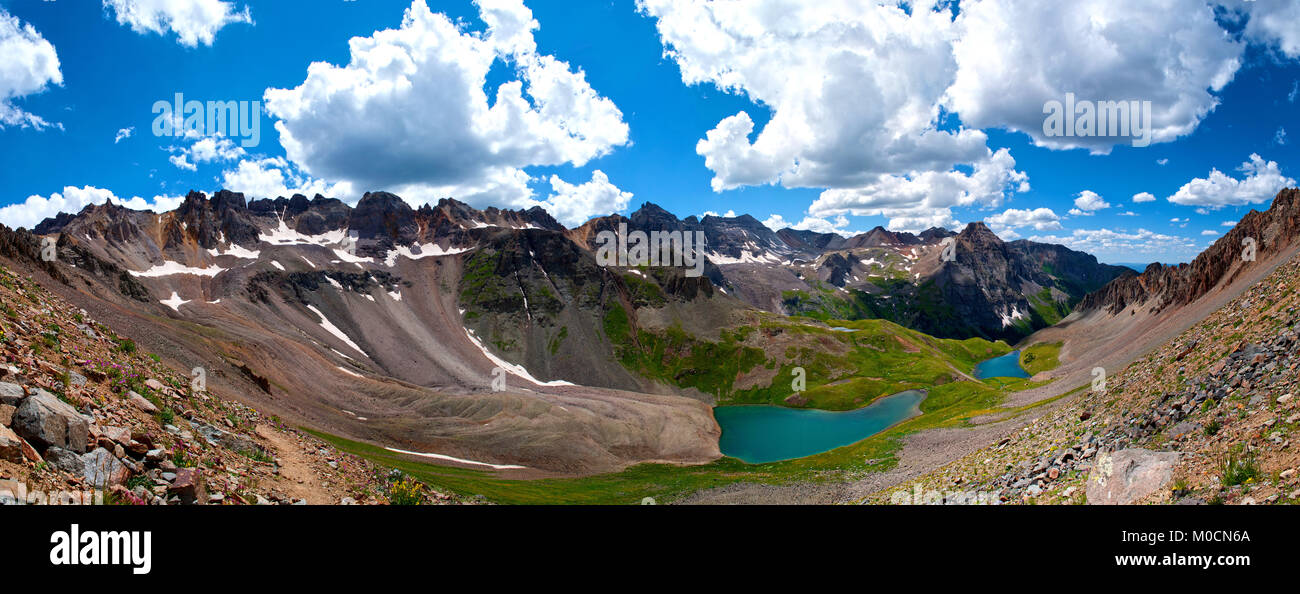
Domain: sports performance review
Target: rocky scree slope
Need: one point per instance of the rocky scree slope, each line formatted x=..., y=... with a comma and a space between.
x=85, y=417
x=1210, y=417
x=388, y=324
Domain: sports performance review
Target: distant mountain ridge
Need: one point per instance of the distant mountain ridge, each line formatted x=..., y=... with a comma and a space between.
x=1257, y=236
x=991, y=289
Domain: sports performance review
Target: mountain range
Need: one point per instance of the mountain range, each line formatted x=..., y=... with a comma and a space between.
x=399, y=325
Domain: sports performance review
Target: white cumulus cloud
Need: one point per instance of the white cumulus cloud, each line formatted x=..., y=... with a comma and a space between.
x=920, y=200
x=839, y=226
x=29, y=66
x=1262, y=181
x=195, y=22
x=1123, y=246
x=574, y=204
x=1144, y=197
x=1274, y=23
x=409, y=113
x=854, y=90
x=204, y=148
x=1089, y=201
x=274, y=177
x=1040, y=219
x=1013, y=56
x=35, y=209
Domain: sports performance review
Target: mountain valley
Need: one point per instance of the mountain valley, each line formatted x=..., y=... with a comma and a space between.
x=493, y=343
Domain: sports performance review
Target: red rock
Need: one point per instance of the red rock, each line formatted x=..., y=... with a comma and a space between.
x=189, y=486
x=11, y=446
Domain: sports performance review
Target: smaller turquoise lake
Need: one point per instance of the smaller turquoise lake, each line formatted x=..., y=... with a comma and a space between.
x=758, y=434
x=1007, y=365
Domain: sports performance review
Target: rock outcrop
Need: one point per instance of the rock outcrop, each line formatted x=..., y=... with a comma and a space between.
x=1126, y=476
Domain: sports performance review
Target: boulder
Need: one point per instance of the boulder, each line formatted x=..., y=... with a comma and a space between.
x=7, y=414
x=102, y=469
x=46, y=421
x=189, y=486
x=1123, y=477
x=11, y=394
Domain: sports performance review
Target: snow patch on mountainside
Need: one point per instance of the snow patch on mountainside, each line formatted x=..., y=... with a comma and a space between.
x=237, y=251
x=168, y=268
x=460, y=460
x=746, y=257
x=175, y=302
x=283, y=235
x=1016, y=314
x=332, y=329
x=417, y=252
x=517, y=370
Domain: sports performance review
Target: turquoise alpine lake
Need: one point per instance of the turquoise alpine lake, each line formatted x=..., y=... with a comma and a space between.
x=762, y=433
x=1007, y=365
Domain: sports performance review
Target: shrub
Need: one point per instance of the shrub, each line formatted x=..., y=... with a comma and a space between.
x=1236, y=468
x=405, y=491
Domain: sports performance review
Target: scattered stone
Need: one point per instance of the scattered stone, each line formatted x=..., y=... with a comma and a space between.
x=1183, y=429
x=11, y=446
x=141, y=402
x=65, y=460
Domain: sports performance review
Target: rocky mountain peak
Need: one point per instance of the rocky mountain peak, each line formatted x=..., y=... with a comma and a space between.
x=978, y=236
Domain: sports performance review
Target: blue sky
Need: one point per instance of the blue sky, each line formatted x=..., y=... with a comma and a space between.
x=862, y=115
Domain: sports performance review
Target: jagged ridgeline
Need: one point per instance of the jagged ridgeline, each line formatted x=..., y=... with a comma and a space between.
x=537, y=294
